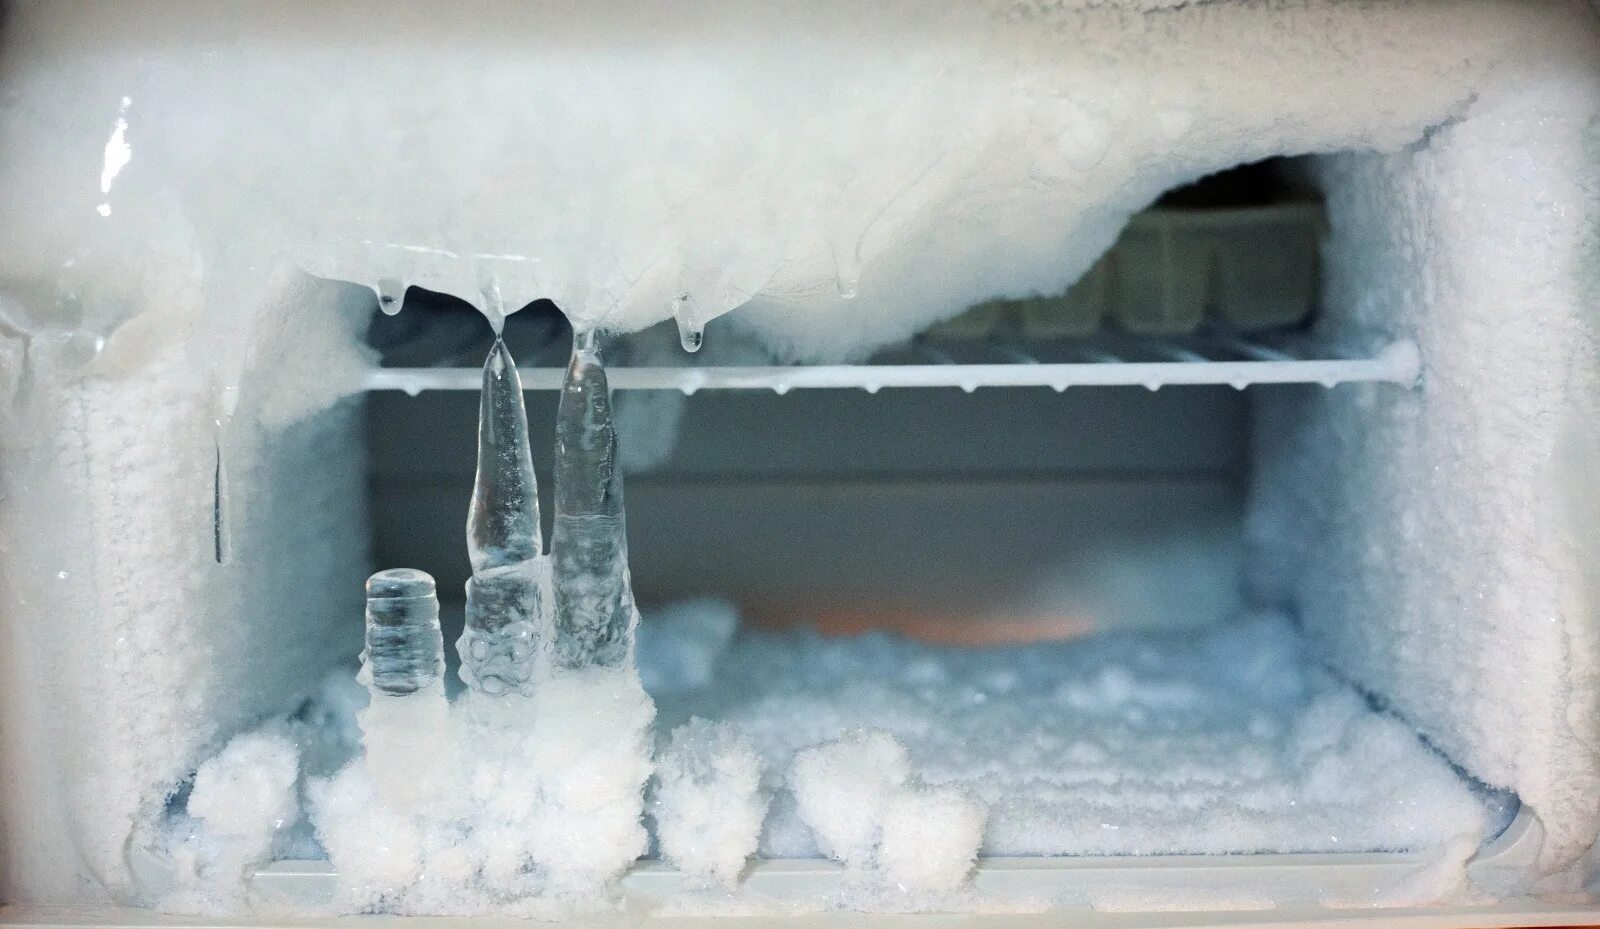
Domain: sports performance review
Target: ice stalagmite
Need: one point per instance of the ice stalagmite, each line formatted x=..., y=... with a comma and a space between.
x=405, y=652
x=405, y=725
x=594, y=611
x=505, y=596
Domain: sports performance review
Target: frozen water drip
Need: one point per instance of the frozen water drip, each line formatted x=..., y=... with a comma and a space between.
x=594, y=610
x=505, y=596
x=691, y=334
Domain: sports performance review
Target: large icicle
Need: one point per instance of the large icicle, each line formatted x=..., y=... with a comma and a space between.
x=594, y=611
x=505, y=596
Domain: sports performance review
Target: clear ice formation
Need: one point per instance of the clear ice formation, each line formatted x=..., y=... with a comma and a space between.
x=505, y=596
x=403, y=668
x=405, y=652
x=690, y=333
x=594, y=609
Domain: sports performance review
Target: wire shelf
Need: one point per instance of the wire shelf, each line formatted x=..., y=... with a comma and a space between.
x=1149, y=363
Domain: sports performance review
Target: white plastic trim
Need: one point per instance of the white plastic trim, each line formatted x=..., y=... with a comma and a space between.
x=1398, y=363
x=1201, y=882
x=1299, y=890
x=1510, y=913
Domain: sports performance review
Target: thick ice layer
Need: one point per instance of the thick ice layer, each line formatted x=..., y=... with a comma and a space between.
x=1208, y=742
x=852, y=174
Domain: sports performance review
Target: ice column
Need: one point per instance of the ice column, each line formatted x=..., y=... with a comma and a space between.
x=405, y=727
x=505, y=596
x=594, y=611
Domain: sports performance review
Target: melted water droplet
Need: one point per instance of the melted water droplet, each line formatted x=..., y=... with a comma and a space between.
x=391, y=295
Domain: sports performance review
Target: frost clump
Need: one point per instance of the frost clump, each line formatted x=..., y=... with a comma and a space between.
x=242, y=798
x=708, y=804
x=540, y=814
x=931, y=837
x=859, y=796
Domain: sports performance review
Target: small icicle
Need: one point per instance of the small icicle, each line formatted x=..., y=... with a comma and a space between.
x=405, y=727
x=505, y=597
x=846, y=271
x=494, y=306
x=391, y=295
x=221, y=531
x=690, y=333
x=594, y=610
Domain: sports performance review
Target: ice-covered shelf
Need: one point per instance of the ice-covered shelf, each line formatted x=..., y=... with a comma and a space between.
x=1148, y=362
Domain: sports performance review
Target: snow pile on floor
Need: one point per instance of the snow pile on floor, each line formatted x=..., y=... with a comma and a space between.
x=858, y=795
x=1222, y=740
x=708, y=803
x=240, y=800
x=902, y=760
x=540, y=818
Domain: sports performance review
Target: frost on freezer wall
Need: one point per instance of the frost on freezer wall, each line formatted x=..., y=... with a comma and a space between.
x=1436, y=543
x=128, y=647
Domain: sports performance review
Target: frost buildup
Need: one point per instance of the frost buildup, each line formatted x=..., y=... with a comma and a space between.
x=505, y=596
x=595, y=614
x=869, y=810
x=709, y=805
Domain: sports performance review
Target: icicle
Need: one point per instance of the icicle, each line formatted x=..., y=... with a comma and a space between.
x=405, y=726
x=690, y=333
x=846, y=270
x=221, y=531
x=494, y=306
x=505, y=597
x=594, y=610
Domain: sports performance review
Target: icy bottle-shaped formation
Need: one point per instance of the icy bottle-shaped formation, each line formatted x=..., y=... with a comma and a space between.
x=505, y=596
x=594, y=609
x=405, y=652
x=405, y=726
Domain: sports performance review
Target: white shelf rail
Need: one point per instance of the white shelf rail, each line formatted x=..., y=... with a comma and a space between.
x=1398, y=363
